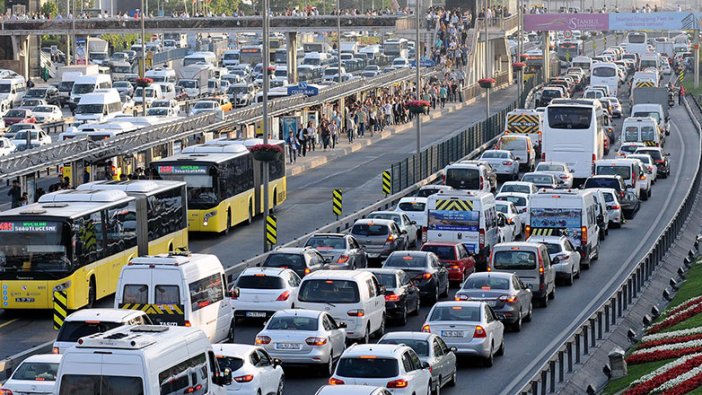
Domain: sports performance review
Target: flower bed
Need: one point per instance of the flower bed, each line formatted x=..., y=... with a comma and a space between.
x=418, y=106
x=487, y=83
x=518, y=66
x=670, y=340
x=266, y=152
x=660, y=376
x=667, y=335
x=666, y=351
x=680, y=316
x=143, y=82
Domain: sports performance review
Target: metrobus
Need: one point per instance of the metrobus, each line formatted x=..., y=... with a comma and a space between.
x=224, y=183
x=636, y=42
x=397, y=48
x=569, y=50
x=251, y=54
x=605, y=73
x=573, y=133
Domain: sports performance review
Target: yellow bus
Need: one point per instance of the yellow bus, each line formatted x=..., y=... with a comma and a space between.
x=166, y=208
x=224, y=183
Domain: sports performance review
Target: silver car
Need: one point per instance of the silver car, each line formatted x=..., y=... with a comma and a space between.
x=564, y=257
x=342, y=251
x=504, y=163
x=472, y=328
x=616, y=215
x=380, y=237
x=560, y=170
x=541, y=180
x=403, y=221
x=304, y=337
x=431, y=349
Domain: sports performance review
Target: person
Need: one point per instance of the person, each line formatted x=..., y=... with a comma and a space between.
x=326, y=135
x=24, y=200
x=109, y=173
x=66, y=183
x=312, y=134
x=293, y=146
x=350, y=125
x=302, y=139
x=681, y=94
x=15, y=193
x=40, y=192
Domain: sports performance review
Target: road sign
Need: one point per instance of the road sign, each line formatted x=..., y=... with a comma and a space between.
x=387, y=182
x=303, y=88
x=605, y=40
x=60, y=308
x=271, y=230
x=681, y=77
x=336, y=202
x=568, y=34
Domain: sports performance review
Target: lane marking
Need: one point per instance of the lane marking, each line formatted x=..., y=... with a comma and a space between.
x=4, y=324
x=587, y=311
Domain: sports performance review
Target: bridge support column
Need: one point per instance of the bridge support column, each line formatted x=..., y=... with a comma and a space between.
x=292, y=57
x=697, y=58
x=20, y=49
x=546, y=68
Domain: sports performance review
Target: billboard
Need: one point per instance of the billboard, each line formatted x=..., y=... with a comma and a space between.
x=622, y=21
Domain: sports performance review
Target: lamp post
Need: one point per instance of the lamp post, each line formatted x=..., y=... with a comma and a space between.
x=417, y=57
x=338, y=43
x=266, y=62
x=142, y=68
x=519, y=50
x=487, y=60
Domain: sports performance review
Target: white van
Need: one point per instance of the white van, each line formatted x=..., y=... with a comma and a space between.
x=161, y=75
x=200, y=57
x=88, y=322
x=142, y=359
x=230, y=57
x=465, y=217
x=642, y=130
x=179, y=290
x=88, y=84
x=99, y=106
x=168, y=90
x=12, y=91
x=353, y=297
x=572, y=213
x=629, y=170
x=152, y=93
x=522, y=147
x=655, y=111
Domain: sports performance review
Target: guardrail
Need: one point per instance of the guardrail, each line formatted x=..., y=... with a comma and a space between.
x=572, y=350
x=167, y=56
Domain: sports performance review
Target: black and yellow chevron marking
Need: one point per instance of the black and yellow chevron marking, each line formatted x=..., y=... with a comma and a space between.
x=337, y=202
x=454, y=205
x=387, y=182
x=60, y=308
x=545, y=232
x=681, y=77
x=152, y=309
x=271, y=229
x=651, y=143
x=645, y=84
x=523, y=123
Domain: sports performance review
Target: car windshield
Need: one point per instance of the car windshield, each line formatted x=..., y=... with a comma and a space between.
x=412, y=206
x=236, y=90
x=445, y=253
x=292, y=261
x=655, y=154
x=514, y=260
x=631, y=148
x=515, y=188
x=652, y=114
x=406, y=261
x=370, y=230
x=36, y=371
x=121, y=84
x=205, y=105
x=553, y=248
x=260, y=281
x=293, y=323
x=486, y=283
x=81, y=89
x=494, y=154
x=36, y=92
x=22, y=135
x=187, y=84
x=623, y=171
x=388, y=280
x=231, y=363
x=71, y=331
x=370, y=368
x=549, y=167
x=328, y=291
x=455, y=313
x=326, y=243
x=89, y=109
x=421, y=347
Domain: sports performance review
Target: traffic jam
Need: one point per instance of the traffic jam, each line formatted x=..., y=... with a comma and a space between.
x=472, y=255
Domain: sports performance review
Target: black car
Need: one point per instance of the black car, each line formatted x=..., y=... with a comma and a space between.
x=424, y=267
x=49, y=94
x=627, y=199
x=302, y=261
x=659, y=158
x=401, y=293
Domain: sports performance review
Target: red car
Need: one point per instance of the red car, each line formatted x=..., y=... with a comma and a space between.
x=18, y=115
x=454, y=255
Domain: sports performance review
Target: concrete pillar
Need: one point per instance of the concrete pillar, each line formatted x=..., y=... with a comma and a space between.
x=292, y=58
x=25, y=56
x=546, y=68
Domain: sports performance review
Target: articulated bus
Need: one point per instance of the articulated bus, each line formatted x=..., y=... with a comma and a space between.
x=224, y=183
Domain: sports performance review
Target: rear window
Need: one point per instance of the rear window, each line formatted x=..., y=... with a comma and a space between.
x=516, y=200
x=421, y=347
x=608, y=197
x=630, y=149
x=653, y=115
x=493, y=154
x=445, y=253
x=426, y=192
x=388, y=280
x=405, y=261
x=514, y=260
x=511, y=144
x=488, y=283
x=456, y=313
x=371, y=368
x=326, y=243
x=79, y=384
x=569, y=117
x=292, y=323
x=328, y=291
x=602, y=183
x=231, y=363
x=549, y=167
x=631, y=133
x=623, y=171
x=515, y=188
x=71, y=331
x=655, y=154
x=135, y=293
x=36, y=371
x=648, y=133
x=292, y=261
x=553, y=248
x=463, y=178
x=537, y=179
x=260, y=282
x=369, y=230
x=412, y=206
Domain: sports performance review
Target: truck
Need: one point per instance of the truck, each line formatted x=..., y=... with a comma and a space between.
x=665, y=47
x=528, y=122
x=82, y=69
x=654, y=95
x=98, y=51
x=193, y=79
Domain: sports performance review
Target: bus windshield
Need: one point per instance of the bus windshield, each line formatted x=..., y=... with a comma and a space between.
x=33, y=246
x=604, y=72
x=202, y=191
x=569, y=117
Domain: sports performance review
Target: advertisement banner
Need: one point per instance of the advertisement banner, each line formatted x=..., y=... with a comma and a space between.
x=555, y=217
x=289, y=125
x=658, y=21
x=464, y=221
x=564, y=22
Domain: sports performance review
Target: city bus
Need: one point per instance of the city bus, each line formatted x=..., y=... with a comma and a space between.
x=573, y=133
x=251, y=54
x=396, y=48
x=605, y=73
x=636, y=42
x=72, y=241
x=224, y=183
x=166, y=205
x=569, y=50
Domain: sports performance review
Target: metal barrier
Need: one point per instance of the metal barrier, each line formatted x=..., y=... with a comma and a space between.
x=593, y=329
x=54, y=127
x=173, y=54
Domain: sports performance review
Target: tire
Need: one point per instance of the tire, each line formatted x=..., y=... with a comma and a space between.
x=403, y=318
x=490, y=359
x=601, y=234
x=435, y=297
x=416, y=307
x=437, y=387
x=366, y=336
x=530, y=314
x=230, y=334
x=517, y=326
x=250, y=219
x=454, y=379
x=281, y=385
x=92, y=293
x=597, y=253
x=571, y=278
x=543, y=301
x=328, y=369
x=227, y=225
x=644, y=196
x=552, y=295
x=446, y=290
x=501, y=351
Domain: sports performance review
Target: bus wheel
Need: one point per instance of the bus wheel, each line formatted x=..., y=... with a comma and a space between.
x=250, y=220
x=275, y=200
x=228, y=224
x=170, y=249
x=91, y=293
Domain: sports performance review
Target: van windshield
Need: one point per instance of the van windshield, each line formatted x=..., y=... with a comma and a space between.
x=463, y=178
x=83, y=384
x=623, y=171
x=71, y=331
x=81, y=89
x=329, y=291
x=514, y=260
x=89, y=109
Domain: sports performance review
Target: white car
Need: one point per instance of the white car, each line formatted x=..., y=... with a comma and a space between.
x=511, y=213
x=352, y=390
x=304, y=337
x=558, y=169
x=261, y=291
x=35, y=375
x=519, y=186
x=400, y=63
x=162, y=112
x=396, y=367
x=413, y=207
x=504, y=163
x=6, y=146
x=472, y=328
x=253, y=370
x=520, y=201
x=614, y=209
x=431, y=189
x=204, y=106
x=167, y=103
x=564, y=257
x=649, y=165
x=628, y=148
x=666, y=69
x=38, y=139
x=47, y=114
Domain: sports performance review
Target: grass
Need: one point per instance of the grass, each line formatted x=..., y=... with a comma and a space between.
x=689, y=84
x=690, y=288
x=635, y=371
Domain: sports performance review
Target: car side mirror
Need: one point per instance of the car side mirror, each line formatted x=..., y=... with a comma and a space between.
x=277, y=362
x=667, y=154
x=425, y=365
x=234, y=292
x=342, y=325
x=453, y=349
x=404, y=232
x=413, y=222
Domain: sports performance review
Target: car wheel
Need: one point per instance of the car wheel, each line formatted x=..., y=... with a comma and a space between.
x=435, y=297
x=328, y=368
x=571, y=278
x=381, y=331
x=543, y=301
x=552, y=295
x=92, y=293
x=403, y=317
x=230, y=334
x=501, y=351
x=229, y=221
x=454, y=379
x=281, y=385
x=597, y=253
x=446, y=290
x=366, y=336
x=650, y=192
x=530, y=314
x=601, y=234
x=437, y=387
x=644, y=196
x=417, y=305
x=490, y=359
x=517, y=326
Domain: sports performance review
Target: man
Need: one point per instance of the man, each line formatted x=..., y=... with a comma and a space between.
x=15, y=193
x=681, y=94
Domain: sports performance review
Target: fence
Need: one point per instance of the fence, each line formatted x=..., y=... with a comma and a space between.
x=604, y=318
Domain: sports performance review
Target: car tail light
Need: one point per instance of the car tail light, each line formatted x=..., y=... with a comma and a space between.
x=563, y=176
x=343, y=259
x=316, y=341
x=356, y=313
x=461, y=298
x=196, y=388
x=392, y=298
x=307, y=270
x=481, y=239
x=5, y=391
x=187, y=324
x=454, y=267
x=594, y=157
x=263, y=340
x=479, y=332
x=426, y=329
x=335, y=381
x=621, y=194
x=507, y=163
x=399, y=383
x=283, y=297
x=583, y=234
x=443, y=179
x=508, y=299
x=527, y=230
x=426, y=276
x=616, y=207
x=391, y=238
x=543, y=156
x=424, y=234
x=642, y=177
x=660, y=161
x=244, y=379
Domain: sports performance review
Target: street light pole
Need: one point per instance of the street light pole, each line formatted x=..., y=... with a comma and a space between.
x=417, y=58
x=142, y=69
x=487, y=60
x=519, y=51
x=338, y=42
x=266, y=62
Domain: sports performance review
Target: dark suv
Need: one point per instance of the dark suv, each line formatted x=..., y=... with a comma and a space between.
x=628, y=200
x=659, y=158
x=49, y=94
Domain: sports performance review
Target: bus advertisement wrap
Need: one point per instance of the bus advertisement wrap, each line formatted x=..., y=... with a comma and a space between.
x=555, y=217
x=466, y=221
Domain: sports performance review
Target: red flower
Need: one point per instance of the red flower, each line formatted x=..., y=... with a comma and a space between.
x=487, y=81
x=661, y=355
x=686, y=386
x=519, y=65
x=670, y=340
x=647, y=386
x=144, y=81
x=265, y=147
x=668, y=322
x=417, y=103
x=683, y=306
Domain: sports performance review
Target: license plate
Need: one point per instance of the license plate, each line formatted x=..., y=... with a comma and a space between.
x=256, y=314
x=287, y=346
x=452, y=333
x=24, y=300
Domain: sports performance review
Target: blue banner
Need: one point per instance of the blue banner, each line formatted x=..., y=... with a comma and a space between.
x=655, y=21
x=465, y=221
x=555, y=217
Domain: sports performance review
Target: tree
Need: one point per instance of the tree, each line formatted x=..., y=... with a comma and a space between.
x=49, y=9
x=227, y=7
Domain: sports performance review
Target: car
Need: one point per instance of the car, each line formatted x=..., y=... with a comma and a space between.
x=564, y=257
x=431, y=349
x=648, y=165
x=125, y=88
x=401, y=293
x=47, y=114
x=627, y=198
x=505, y=293
x=304, y=337
x=379, y=237
x=342, y=251
x=429, y=190
x=503, y=162
x=542, y=180
x=396, y=367
x=614, y=209
x=204, y=106
x=471, y=175
x=519, y=186
x=371, y=71
x=29, y=103
x=161, y=112
x=666, y=69
x=352, y=390
x=166, y=103
x=520, y=201
x=471, y=327
x=601, y=213
x=17, y=115
x=454, y=256
x=659, y=158
x=6, y=146
x=505, y=230
x=563, y=174
x=628, y=148
x=12, y=130
x=302, y=261
x=403, y=221
x=261, y=291
x=615, y=105
x=49, y=94
x=222, y=101
x=414, y=208
x=511, y=213
x=425, y=269
x=38, y=138
x=35, y=375
x=253, y=370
